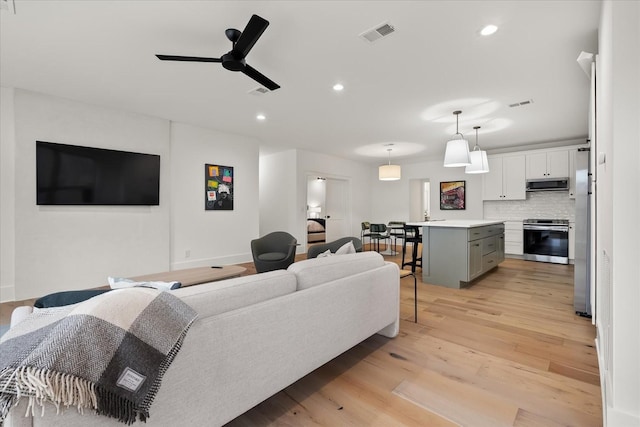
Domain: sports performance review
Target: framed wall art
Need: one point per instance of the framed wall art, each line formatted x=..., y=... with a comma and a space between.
x=452, y=195
x=218, y=185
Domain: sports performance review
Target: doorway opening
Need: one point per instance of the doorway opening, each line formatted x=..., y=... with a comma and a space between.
x=328, y=204
x=420, y=199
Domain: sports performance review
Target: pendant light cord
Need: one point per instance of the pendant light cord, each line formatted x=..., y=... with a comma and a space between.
x=476, y=147
x=457, y=113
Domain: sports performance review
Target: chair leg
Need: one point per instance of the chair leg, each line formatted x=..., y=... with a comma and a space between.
x=404, y=250
x=415, y=257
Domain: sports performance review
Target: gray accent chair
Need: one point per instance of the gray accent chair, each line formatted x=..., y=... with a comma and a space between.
x=316, y=250
x=274, y=251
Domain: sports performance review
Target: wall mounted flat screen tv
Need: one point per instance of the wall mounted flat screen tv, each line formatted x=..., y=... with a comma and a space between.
x=75, y=175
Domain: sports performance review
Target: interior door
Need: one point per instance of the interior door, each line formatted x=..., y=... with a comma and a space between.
x=336, y=203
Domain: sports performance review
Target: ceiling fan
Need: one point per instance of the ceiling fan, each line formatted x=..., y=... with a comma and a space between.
x=234, y=60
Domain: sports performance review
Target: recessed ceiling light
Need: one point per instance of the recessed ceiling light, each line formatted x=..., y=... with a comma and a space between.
x=338, y=87
x=488, y=30
x=261, y=117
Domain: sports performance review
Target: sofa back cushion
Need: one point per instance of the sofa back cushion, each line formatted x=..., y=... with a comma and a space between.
x=312, y=272
x=210, y=299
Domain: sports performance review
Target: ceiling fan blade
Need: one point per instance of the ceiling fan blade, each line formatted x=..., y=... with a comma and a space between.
x=187, y=58
x=250, y=36
x=260, y=78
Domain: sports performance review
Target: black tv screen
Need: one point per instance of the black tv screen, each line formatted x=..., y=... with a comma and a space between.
x=75, y=175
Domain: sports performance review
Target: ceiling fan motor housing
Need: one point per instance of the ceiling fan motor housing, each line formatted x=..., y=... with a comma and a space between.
x=231, y=63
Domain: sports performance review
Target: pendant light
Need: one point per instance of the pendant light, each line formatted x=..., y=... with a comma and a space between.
x=479, y=162
x=457, y=152
x=389, y=172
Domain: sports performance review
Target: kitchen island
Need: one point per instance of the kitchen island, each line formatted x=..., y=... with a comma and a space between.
x=455, y=252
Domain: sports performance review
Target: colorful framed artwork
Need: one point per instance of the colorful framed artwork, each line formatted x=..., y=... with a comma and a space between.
x=452, y=195
x=218, y=186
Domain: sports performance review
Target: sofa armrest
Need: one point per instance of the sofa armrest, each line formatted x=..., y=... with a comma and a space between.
x=20, y=313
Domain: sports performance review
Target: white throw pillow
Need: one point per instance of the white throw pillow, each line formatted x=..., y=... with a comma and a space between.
x=325, y=254
x=347, y=248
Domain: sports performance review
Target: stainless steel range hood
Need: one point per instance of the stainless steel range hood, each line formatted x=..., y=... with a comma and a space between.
x=547, y=184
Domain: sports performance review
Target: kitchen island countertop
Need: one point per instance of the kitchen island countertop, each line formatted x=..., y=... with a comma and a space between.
x=458, y=223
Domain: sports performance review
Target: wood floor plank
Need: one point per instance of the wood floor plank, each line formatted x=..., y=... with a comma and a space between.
x=461, y=403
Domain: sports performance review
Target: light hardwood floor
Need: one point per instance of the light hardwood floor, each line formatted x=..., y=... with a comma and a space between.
x=507, y=351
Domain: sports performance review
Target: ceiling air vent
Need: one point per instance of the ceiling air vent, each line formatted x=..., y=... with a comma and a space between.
x=8, y=5
x=259, y=91
x=378, y=32
x=520, y=104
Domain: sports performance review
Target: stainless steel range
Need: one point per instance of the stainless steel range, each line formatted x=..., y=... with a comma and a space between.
x=546, y=240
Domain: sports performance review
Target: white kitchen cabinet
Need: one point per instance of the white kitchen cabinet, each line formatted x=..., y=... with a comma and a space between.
x=513, y=237
x=506, y=178
x=550, y=164
x=572, y=173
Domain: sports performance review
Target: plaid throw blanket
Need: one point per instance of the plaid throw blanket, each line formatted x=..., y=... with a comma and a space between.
x=108, y=353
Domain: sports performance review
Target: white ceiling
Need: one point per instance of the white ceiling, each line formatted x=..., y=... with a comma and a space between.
x=401, y=89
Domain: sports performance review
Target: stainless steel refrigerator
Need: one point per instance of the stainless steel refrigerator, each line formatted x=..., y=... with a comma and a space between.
x=583, y=235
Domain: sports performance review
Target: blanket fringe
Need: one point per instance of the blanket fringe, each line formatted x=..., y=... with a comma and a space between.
x=38, y=386
x=42, y=385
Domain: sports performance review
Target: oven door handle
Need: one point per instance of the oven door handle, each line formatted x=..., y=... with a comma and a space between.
x=546, y=228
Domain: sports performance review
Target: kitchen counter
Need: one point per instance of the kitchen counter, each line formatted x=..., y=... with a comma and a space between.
x=455, y=252
x=459, y=223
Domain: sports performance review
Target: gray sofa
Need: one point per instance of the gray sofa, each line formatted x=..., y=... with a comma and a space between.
x=257, y=334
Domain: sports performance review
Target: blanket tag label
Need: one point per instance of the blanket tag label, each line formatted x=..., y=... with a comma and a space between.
x=130, y=380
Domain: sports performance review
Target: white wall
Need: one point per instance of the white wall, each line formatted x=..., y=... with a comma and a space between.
x=391, y=199
x=278, y=189
x=74, y=247
x=618, y=204
x=201, y=237
x=7, y=195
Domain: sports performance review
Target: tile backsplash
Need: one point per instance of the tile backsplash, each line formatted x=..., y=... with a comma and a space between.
x=541, y=204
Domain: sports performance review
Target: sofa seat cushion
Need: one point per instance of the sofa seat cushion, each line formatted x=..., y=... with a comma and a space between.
x=272, y=256
x=315, y=271
x=210, y=299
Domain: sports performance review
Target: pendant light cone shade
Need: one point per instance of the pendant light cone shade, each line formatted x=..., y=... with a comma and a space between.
x=479, y=162
x=389, y=172
x=457, y=151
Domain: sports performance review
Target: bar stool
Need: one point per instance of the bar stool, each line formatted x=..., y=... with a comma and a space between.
x=412, y=235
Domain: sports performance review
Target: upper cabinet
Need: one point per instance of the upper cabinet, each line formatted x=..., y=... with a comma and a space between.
x=506, y=178
x=550, y=164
